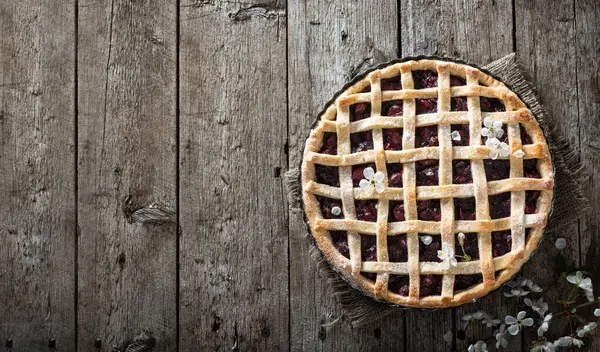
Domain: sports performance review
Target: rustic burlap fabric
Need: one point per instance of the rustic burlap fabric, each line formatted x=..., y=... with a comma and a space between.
x=569, y=203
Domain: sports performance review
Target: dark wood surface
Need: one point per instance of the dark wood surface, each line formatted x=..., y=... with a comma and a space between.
x=199, y=107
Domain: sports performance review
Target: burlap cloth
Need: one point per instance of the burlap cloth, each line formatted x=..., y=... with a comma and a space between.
x=569, y=202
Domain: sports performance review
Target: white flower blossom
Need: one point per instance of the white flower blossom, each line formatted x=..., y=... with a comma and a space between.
x=477, y=315
x=517, y=287
x=538, y=306
x=497, y=148
x=492, y=129
x=586, y=329
x=336, y=211
x=461, y=238
x=519, y=154
x=560, y=243
x=597, y=312
x=585, y=283
x=489, y=321
x=447, y=256
x=577, y=343
x=515, y=324
x=479, y=346
x=501, y=337
x=542, y=346
x=455, y=136
x=426, y=239
x=564, y=341
x=448, y=337
x=544, y=325
x=372, y=180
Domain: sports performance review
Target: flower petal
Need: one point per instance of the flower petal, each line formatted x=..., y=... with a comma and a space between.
x=379, y=187
x=597, y=312
x=521, y=315
x=572, y=279
x=485, y=132
x=513, y=329
x=492, y=142
x=336, y=211
x=488, y=122
x=519, y=154
x=509, y=319
x=453, y=261
x=378, y=176
x=426, y=239
x=365, y=185
x=527, y=322
x=560, y=243
x=369, y=172
x=494, y=154
x=455, y=136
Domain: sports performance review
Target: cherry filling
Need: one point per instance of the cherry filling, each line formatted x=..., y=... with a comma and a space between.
x=396, y=211
x=328, y=175
x=369, y=276
x=426, y=106
x=327, y=204
x=464, y=208
x=394, y=83
x=427, y=172
x=366, y=210
x=425, y=79
x=501, y=243
x=496, y=169
x=525, y=137
x=392, y=108
x=361, y=141
x=530, y=169
x=397, y=250
x=458, y=104
x=531, y=198
x=430, y=285
x=395, y=175
x=360, y=111
x=461, y=172
x=491, y=104
x=470, y=244
x=329, y=143
x=358, y=173
x=463, y=282
x=340, y=242
x=399, y=285
x=428, y=253
x=426, y=136
x=429, y=210
x=463, y=131
x=368, y=248
x=392, y=139
x=499, y=205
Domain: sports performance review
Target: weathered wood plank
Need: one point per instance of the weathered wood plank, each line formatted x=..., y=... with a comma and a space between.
x=127, y=160
x=329, y=41
x=234, y=276
x=477, y=32
x=37, y=164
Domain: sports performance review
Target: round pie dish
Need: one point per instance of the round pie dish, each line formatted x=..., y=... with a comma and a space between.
x=426, y=183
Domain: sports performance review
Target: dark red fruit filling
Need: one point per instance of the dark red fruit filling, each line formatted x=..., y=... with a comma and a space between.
x=501, y=243
x=327, y=204
x=491, y=104
x=458, y=104
x=463, y=130
x=396, y=211
x=471, y=246
x=360, y=111
x=361, y=141
x=530, y=168
x=430, y=285
x=394, y=83
x=429, y=210
x=329, y=144
x=395, y=175
x=464, y=208
x=499, y=205
x=358, y=173
x=461, y=172
x=425, y=79
x=426, y=137
x=427, y=172
x=340, y=242
x=368, y=248
x=426, y=106
x=397, y=251
x=496, y=169
x=531, y=198
x=463, y=282
x=525, y=137
x=392, y=139
x=369, y=276
x=429, y=253
x=399, y=285
x=366, y=210
x=392, y=108
x=457, y=81
x=328, y=175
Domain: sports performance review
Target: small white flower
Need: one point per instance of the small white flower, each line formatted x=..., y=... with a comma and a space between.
x=501, y=337
x=560, y=243
x=544, y=325
x=564, y=341
x=490, y=321
x=516, y=323
x=577, y=343
x=336, y=211
x=533, y=287
x=542, y=346
x=448, y=337
x=492, y=129
x=479, y=346
x=461, y=238
x=519, y=154
x=455, y=136
x=586, y=329
x=584, y=283
x=447, y=256
x=426, y=239
x=497, y=148
x=538, y=306
x=372, y=180
x=597, y=312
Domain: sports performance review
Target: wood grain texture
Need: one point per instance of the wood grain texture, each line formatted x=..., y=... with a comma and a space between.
x=234, y=262
x=127, y=160
x=477, y=32
x=329, y=42
x=37, y=164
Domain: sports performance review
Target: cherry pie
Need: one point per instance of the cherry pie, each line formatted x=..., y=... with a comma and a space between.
x=427, y=183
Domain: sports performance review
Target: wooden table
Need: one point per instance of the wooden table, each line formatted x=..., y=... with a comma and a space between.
x=200, y=106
